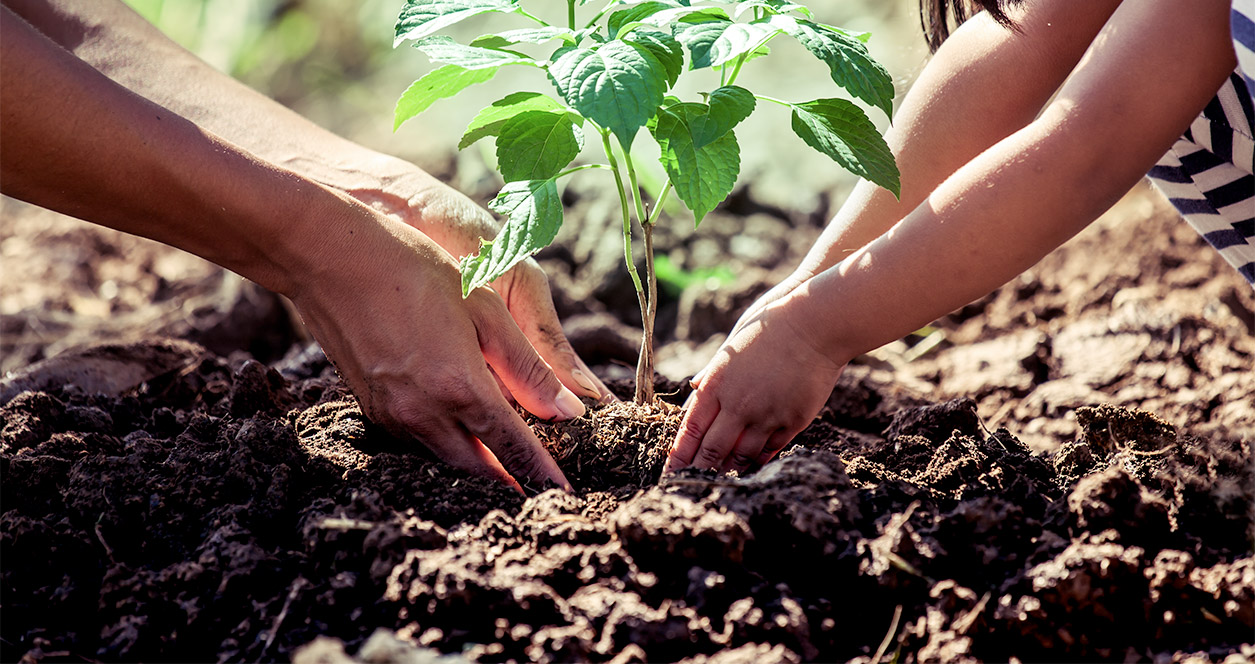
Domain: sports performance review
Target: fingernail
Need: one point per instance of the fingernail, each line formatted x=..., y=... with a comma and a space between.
x=568, y=404
x=584, y=381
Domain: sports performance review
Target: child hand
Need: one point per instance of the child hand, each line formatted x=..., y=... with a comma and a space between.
x=765, y=384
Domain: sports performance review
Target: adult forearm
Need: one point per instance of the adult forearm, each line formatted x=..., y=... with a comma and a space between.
x=985, y=83
x=79, y=143
x=120, y=44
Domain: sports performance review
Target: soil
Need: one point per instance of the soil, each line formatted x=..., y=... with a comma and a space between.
x=1061, y=471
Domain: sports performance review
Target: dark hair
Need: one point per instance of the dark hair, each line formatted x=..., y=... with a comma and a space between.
x=935, y=15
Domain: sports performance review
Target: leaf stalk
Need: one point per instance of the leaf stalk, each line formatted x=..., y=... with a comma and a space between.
x=526, y=14
x=659, y=202
x=582, y=167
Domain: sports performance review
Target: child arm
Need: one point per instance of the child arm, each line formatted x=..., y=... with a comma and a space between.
x=1145, y=77
x=985, y=83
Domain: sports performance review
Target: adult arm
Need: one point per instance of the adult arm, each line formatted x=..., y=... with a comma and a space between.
x=120, y=44
x=1148, y=73
x=382, y=298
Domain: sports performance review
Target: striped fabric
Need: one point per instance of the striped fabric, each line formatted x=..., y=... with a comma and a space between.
x=1207, y=174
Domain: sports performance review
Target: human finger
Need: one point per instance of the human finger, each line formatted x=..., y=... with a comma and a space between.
x=505, y=391
x=530, y=303
x=746, y=451
x=775, y=442
x=718, y=442
x=528, y=378
x=457, y=447
x=697, y=418
x=514, y=445
x=696, y=381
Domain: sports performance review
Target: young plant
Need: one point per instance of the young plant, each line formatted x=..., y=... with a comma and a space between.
x=612, y=75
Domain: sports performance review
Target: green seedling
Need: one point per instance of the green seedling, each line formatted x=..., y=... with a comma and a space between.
x=613, y=75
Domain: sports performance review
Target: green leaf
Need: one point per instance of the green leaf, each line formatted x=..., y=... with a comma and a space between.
x=489, y=120
x=851, y=66
x=650, y=15
x=617, y=85
x=436, y=84
x=702, y=176
x=714, y=41
x=534, y=212
x=420, y=18
x=537, y=145
x=760, y=52
x=664, y=47
x=634, y=14
x=443, y=49
x=538, y=35
x=841, y=130
x=726, y=108
x=773, y=7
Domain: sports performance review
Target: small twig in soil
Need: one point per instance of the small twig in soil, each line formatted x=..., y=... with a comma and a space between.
x=283, y=613
x=997, y=418
x=893, y=629
x=963, y=624
x=342, y=523
x=101, y=536
x=1130, y=450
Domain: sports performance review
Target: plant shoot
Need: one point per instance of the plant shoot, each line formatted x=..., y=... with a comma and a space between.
x=612, y=73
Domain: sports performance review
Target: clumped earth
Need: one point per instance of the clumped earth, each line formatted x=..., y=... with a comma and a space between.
x=235, y=511
x=1066, y=476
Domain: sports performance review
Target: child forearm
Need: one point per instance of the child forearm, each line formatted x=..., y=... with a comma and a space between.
x=984, y=83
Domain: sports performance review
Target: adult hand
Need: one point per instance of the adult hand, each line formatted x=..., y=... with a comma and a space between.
x=766, y=383
x=387, y=308
x=457, y=224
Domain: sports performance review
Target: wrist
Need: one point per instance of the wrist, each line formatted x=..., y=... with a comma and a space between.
x=406, y=193
x=812, y=323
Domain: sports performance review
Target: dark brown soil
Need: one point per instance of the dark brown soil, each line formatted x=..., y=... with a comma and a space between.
x=998, y=497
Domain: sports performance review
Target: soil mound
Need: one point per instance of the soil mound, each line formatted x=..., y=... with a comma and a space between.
x=236, y=511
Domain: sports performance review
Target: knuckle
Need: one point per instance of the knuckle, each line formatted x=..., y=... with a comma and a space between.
x=691, y=429
x=533, y=371
x=740, y=460
x=452, y=389
x=401, y=415
x=518, y=457
x=708, y=457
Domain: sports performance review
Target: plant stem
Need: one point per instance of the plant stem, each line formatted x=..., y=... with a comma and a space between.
x=645, y=363
x=736, y=71
x=773, y=100
x=526, y=14
x=644, y=389
x=648, y=302
x=601, y=13
x=661, y=200
x=584, y=167
x=570, y=14
x=636, y=190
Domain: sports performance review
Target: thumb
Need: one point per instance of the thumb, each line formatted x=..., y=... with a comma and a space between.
x=517, y=364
